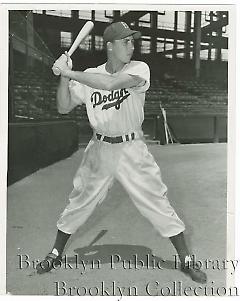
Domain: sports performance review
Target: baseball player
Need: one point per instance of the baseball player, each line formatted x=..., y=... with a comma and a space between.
x=114, y=95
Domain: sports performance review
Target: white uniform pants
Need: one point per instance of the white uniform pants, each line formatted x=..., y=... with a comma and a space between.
x=135, y=168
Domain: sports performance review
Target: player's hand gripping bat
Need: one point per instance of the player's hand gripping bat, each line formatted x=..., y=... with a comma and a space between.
x=86, y=29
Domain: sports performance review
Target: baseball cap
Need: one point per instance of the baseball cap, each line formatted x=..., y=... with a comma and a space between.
x=118, y=31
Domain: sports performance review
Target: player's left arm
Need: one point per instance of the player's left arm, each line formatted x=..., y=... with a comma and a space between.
x=135, y=76
x=141, y=71
x=104, y=81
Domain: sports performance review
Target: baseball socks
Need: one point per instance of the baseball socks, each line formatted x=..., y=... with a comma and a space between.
x=54, y=258
x=60, y=242
x=188, y=266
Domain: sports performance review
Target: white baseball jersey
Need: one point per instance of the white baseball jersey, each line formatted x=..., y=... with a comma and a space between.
x=117, y=112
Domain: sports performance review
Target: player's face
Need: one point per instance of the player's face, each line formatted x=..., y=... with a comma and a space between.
x=123, y=49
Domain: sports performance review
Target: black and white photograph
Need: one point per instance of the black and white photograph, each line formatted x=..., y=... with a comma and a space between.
x=120, y=150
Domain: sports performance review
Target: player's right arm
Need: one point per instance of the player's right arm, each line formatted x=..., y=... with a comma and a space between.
x=64, y=101
x=68, y=94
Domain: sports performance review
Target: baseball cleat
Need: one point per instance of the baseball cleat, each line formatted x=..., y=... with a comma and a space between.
x=194, y=272
x=51, y=261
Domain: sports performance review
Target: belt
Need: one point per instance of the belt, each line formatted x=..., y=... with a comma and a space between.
x=117, y=139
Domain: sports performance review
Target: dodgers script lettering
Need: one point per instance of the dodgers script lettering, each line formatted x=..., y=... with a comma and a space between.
x=113, y=99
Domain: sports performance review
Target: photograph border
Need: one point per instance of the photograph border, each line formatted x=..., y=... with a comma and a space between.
x=233, y=210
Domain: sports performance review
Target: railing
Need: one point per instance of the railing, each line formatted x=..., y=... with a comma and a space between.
x=24, y=45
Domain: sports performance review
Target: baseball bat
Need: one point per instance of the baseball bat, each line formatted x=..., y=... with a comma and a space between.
x=100, y=235
x=86, y=29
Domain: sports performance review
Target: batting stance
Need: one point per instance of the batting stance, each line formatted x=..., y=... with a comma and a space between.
x=114, y=95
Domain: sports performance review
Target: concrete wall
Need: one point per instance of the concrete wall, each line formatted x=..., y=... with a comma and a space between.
x=188, y=128
x=32, y=146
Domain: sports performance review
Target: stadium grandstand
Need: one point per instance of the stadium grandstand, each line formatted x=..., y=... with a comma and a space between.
x=187, y=52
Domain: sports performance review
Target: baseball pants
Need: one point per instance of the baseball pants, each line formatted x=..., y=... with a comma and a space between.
x=135, y=168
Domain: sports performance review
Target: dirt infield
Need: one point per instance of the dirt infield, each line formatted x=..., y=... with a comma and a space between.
x=128, y=257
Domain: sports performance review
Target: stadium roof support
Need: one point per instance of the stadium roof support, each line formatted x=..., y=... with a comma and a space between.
x=197, y=43
x=215, y=25
x=175, y=30
x=182, y=49
x=66, y=24
x=154, y=21
x=133, y=15
x=219, y=42
x=188, y=20
x=219, y=34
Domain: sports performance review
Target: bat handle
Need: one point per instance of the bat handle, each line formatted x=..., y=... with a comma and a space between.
x=56, y=71
x=70, y=52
